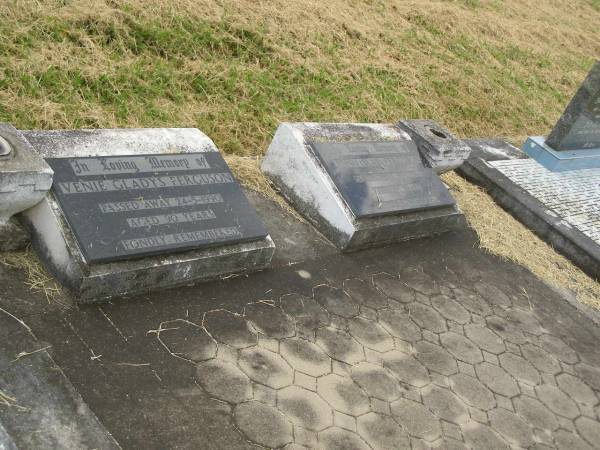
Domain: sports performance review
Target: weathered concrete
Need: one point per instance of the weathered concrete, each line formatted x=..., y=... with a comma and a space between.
x=57, y=246
x=134, y=366
x=24, y=180
x=441, y=150
x=301, y=178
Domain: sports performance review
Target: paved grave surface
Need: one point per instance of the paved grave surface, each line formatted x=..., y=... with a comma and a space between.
x=573, y=195
x=426, y=344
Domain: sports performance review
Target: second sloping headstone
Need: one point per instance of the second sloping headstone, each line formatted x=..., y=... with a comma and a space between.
x=361, y=185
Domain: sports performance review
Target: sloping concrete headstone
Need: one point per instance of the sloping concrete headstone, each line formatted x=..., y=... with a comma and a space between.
x=132, y=210
x=361, y=185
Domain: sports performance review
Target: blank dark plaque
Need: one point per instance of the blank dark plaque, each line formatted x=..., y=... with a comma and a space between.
x=382, y=178
x=124, y=207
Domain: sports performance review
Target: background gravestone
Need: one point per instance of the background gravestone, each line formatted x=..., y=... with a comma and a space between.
x=579, y=126
x=133, y=210
x=361, y=185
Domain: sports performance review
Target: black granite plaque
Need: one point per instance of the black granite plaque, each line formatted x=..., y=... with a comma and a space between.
x=124, y=207
x=579, y=126
x=379, y=178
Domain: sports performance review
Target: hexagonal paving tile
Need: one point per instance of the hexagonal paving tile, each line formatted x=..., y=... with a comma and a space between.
x=472, y=391
x=305, y=356
x=558, y=349
x=588, y=429
x=520, y=368
x=541, y=359
x=365, y=293
x=514, y=429
x=567, y=440
x=305, y=311
x=263, y=424
x=398, y=324
x=576, y=389
x=482, y=437
x=557, y=401
x=492, y=294
x=304, y=408
x=370, y=334
x=416, y=419
x=229, y=328
x=336, y=438
x=336, y=301
x=223, y=380
x=435, y=358
x=535, y=413
x=472, y=301
x=266, y=367
x=525, y=320
x=270, y=320
x=382, y=432
x=418, y=280
x=496, y=379
x=506, y=330
x=589, y=374
x=376, y=381
x=461, y=347
x=445, y=404
x=485, y=339
x=427, y=317
x=187, y=340
x=406, y=368
x=450, y=309
x=393, y=288
x=339, y=345
x=343, y=394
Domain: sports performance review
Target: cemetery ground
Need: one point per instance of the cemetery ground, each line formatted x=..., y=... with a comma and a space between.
x=480, y=338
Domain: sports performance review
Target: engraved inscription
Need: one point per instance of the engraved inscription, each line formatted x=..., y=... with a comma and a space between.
x=137, y=164
x=128, y=184
x=376, y=178
x=122, y=207
x=215, y=234
x=164, y=219
x=158, y=203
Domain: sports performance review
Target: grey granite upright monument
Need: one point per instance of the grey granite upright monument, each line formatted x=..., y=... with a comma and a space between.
x=574, y=143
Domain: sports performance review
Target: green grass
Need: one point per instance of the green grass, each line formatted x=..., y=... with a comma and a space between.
x=236, y=79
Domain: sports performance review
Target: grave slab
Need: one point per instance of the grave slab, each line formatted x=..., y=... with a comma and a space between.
x=361, y=185
x=560, y=207
x=133, y=210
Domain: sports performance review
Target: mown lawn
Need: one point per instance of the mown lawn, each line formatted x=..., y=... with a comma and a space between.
x=236, y=68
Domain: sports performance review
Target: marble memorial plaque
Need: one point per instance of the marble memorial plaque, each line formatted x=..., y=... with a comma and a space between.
x=381, y=178
x=124, y=207
x=579, y=126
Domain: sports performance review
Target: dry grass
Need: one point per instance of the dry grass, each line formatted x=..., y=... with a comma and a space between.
x=501, y=234
x=38, y=279
x=235, y=68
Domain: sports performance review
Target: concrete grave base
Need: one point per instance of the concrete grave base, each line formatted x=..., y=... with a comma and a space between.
x=54, y=241
x=560, y=161
x=564, y=230
x=301, y=179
